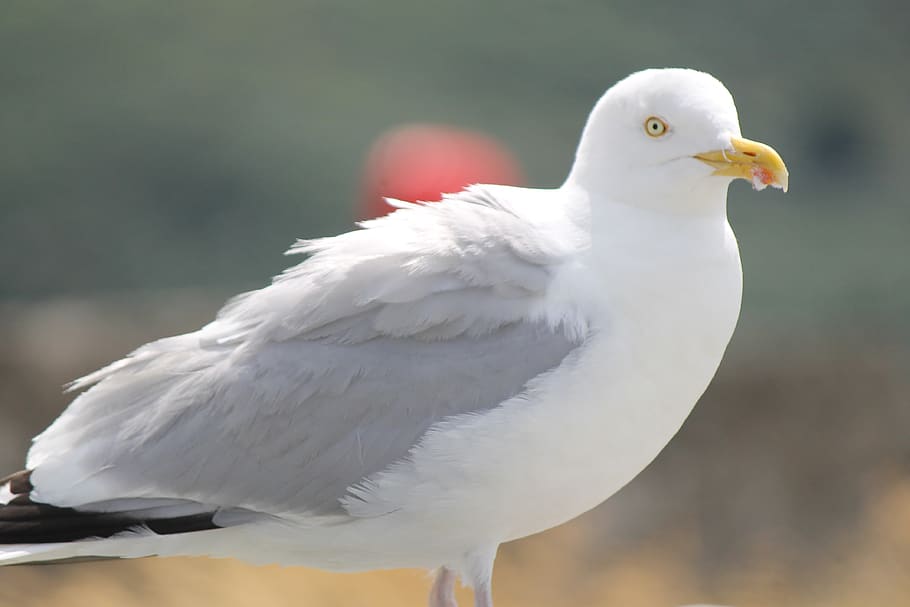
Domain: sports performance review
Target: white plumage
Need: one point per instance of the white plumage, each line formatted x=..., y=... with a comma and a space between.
x=451, y=377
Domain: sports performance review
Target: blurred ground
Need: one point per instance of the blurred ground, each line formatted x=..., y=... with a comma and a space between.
x=788, y=485
x=551, y=569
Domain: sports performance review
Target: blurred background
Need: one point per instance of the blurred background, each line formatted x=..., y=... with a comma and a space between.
x=159, y=157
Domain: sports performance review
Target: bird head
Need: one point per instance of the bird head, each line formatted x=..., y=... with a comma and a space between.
x=670, y=139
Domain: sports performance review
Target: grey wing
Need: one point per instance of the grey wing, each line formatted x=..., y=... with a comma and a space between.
x=282, y=409
x=298, y=422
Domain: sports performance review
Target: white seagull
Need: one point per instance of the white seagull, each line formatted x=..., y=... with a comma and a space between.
x=451, y=377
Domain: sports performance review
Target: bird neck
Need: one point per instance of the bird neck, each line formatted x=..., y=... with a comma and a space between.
x=704, y=201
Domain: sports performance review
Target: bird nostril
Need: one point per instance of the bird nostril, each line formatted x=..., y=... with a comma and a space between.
x=751, y=154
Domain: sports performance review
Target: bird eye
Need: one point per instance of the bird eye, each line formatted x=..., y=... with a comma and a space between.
x=655, y=127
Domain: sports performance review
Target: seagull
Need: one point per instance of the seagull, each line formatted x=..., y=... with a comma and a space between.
x=453, y=376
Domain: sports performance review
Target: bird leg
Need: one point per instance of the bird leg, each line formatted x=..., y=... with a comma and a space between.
x=442, y=594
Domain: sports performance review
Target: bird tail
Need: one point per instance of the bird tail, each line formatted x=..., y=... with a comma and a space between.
x=124, y=528
x=44, y=554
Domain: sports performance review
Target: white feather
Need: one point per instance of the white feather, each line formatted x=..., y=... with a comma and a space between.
x=452, y=376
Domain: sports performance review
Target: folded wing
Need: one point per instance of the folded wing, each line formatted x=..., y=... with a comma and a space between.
x=302, y=389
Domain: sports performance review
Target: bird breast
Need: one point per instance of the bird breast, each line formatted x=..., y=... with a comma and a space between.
x=570, y=442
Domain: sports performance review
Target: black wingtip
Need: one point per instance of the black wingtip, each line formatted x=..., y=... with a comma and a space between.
x=43, y=524
x=23, y=521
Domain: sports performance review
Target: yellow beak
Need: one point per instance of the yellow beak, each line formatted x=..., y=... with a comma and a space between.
x=749, y=160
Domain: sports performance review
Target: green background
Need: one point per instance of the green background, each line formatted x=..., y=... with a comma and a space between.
x=156, y=144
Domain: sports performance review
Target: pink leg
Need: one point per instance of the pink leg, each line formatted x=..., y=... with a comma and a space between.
x=442, y=594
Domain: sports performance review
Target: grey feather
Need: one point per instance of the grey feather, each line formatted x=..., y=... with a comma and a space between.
x=334, y=372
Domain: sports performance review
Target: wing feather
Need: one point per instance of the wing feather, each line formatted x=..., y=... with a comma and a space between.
x=300, y=390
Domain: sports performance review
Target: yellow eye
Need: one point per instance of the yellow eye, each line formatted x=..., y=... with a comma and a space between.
x=655, y=127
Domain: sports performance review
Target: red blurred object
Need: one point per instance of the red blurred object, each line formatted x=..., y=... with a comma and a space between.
x=423, y=161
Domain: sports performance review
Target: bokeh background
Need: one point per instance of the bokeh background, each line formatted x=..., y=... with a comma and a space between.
x=157, y=157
